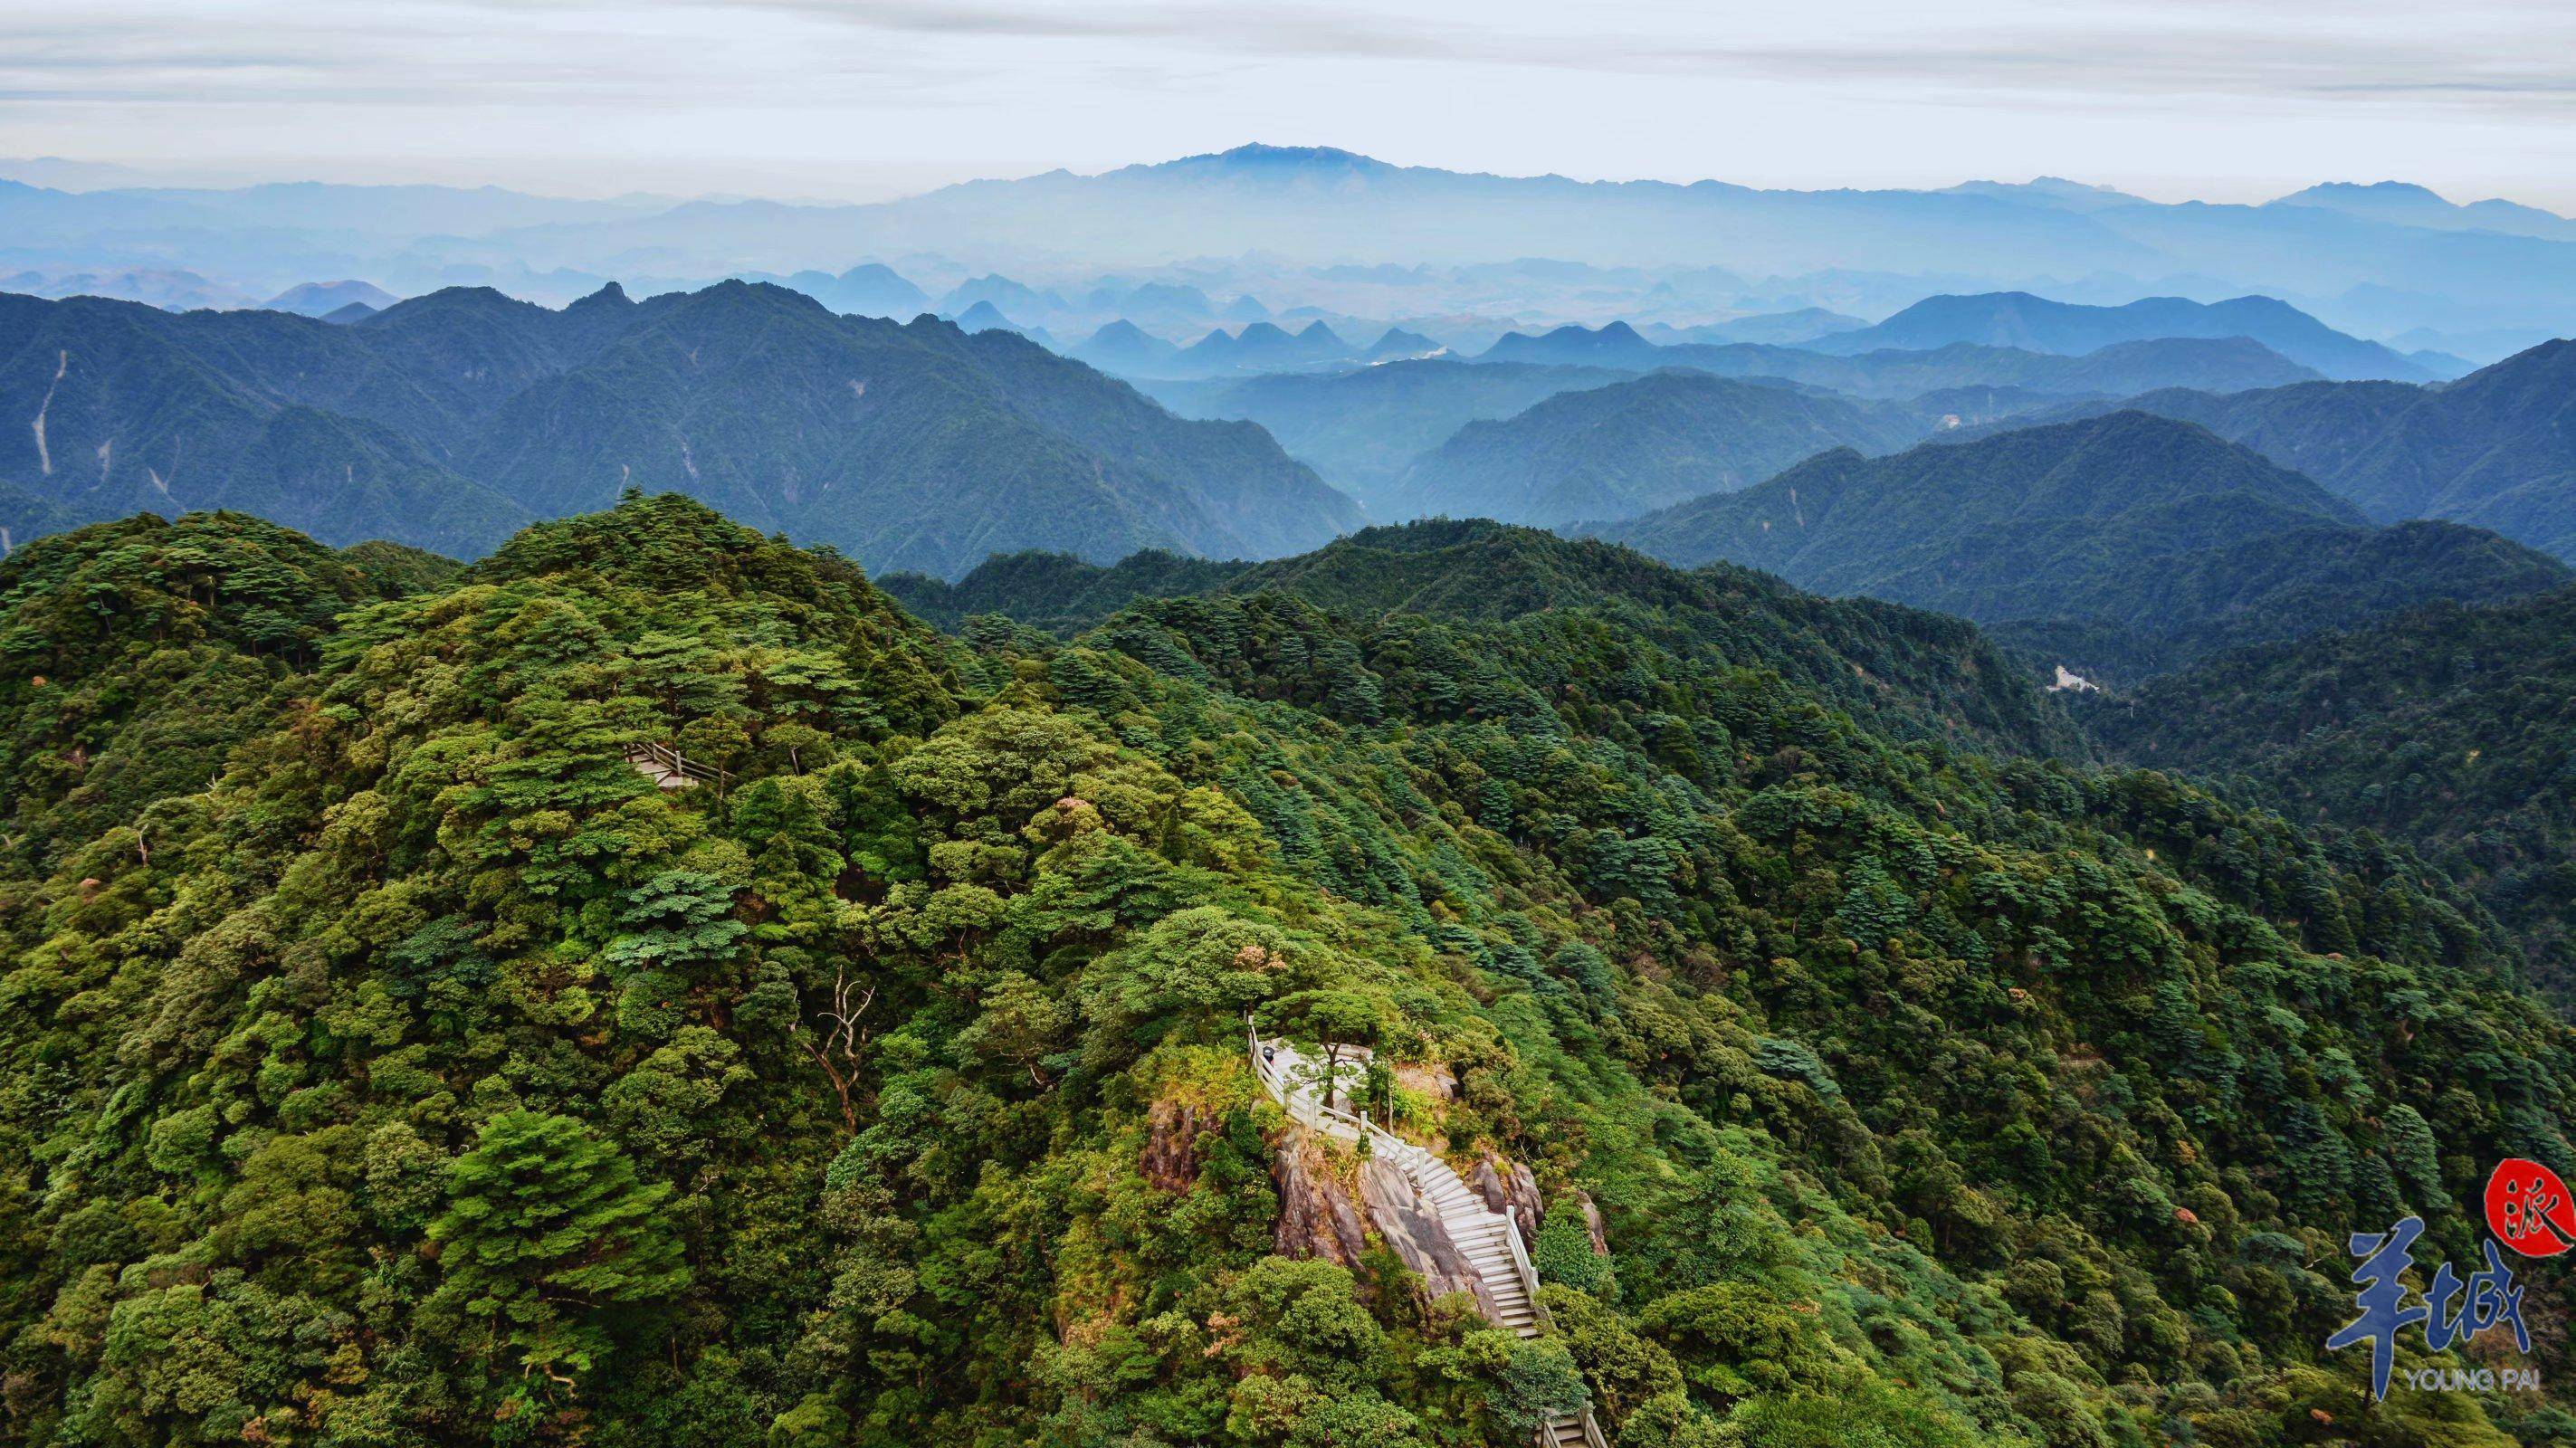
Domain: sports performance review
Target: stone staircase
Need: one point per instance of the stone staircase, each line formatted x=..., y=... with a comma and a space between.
x=1490, y=1240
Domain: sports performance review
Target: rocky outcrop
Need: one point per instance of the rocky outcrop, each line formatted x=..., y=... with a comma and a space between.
x=1434, y=1082
x=1507, y=1186
x=1170, y=1160
x=1412, y=1230
x=1317, y=1217
x=1592, y=1224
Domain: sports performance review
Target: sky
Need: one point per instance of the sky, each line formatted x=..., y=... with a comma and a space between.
x=2223, y=100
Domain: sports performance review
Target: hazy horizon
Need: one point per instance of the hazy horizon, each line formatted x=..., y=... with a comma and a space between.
x=87, y=174
x=813, y=99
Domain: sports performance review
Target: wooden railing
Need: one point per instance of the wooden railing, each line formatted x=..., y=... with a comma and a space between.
x=671, y=759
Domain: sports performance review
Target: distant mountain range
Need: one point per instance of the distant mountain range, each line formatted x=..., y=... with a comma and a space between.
x=1123, y=348
x=2496, y=449
x=450, y=420
x=322, y=299
x=1362, y=428
x=2404, y=204
x=2160, y=539
x=2397, y=257
x=2225, y=364
x=2018, y=319
x=1323, y=205
x=1798, y=328
x=1631, y=446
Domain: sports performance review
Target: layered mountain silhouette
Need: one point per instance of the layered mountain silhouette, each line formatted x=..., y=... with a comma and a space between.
x=2035, y=324
x=2496, y=449
x=2141, y=528
x=872, y=290
x=324, y=299
x=2221, y=364
x=1361, y=429
x=450, y=420
x=1632, y=446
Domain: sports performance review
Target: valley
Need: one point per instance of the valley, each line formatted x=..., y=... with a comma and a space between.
x=1281, y=800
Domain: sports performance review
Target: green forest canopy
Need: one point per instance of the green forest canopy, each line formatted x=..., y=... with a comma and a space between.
x=409, y=1069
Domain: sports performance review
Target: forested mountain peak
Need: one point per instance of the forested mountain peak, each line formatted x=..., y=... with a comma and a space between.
x=2495, y=449
x=2129, y=541
x=415, y=1066
x=1811, y=521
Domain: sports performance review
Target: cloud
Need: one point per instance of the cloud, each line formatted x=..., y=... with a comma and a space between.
x=2507, y=58
x=1635, y=87
x=2487, y=54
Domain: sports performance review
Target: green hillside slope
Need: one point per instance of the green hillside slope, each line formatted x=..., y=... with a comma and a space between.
x=424, y=1073
x=2451, y=728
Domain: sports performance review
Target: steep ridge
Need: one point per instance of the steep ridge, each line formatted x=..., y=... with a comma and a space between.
x=2496, y=449
x=1489, y=1240
x=288, y=417
x=452, y=418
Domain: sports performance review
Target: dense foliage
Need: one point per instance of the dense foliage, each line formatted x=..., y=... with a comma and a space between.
x=2121, y=623
x=1055, y=591
x=1999, y=528
x=433, y=1077
x=2451, y=729
x=2124, y=544
x=135, y=655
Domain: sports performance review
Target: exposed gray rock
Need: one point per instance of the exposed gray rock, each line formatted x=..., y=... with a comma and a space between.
x=1316, y=1215
x=1411, y=1229
x=1508, y=1186
x=1592, y=1224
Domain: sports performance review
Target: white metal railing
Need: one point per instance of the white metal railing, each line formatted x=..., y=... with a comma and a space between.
x=1305, y=1108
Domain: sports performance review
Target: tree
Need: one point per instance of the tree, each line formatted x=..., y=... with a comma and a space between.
x=547, y=1235
x=1337, y=1020
x=679, y=922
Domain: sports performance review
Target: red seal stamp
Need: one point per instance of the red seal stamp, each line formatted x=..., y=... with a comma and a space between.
x=2529, y=1210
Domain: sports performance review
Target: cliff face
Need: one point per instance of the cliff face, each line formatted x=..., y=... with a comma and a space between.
x=1412, y=1229
x=1170, y=1159
x=1320, y=1216
x=1317, y=1217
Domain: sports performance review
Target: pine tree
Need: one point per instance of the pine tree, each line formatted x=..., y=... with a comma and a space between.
x=546, y=1233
